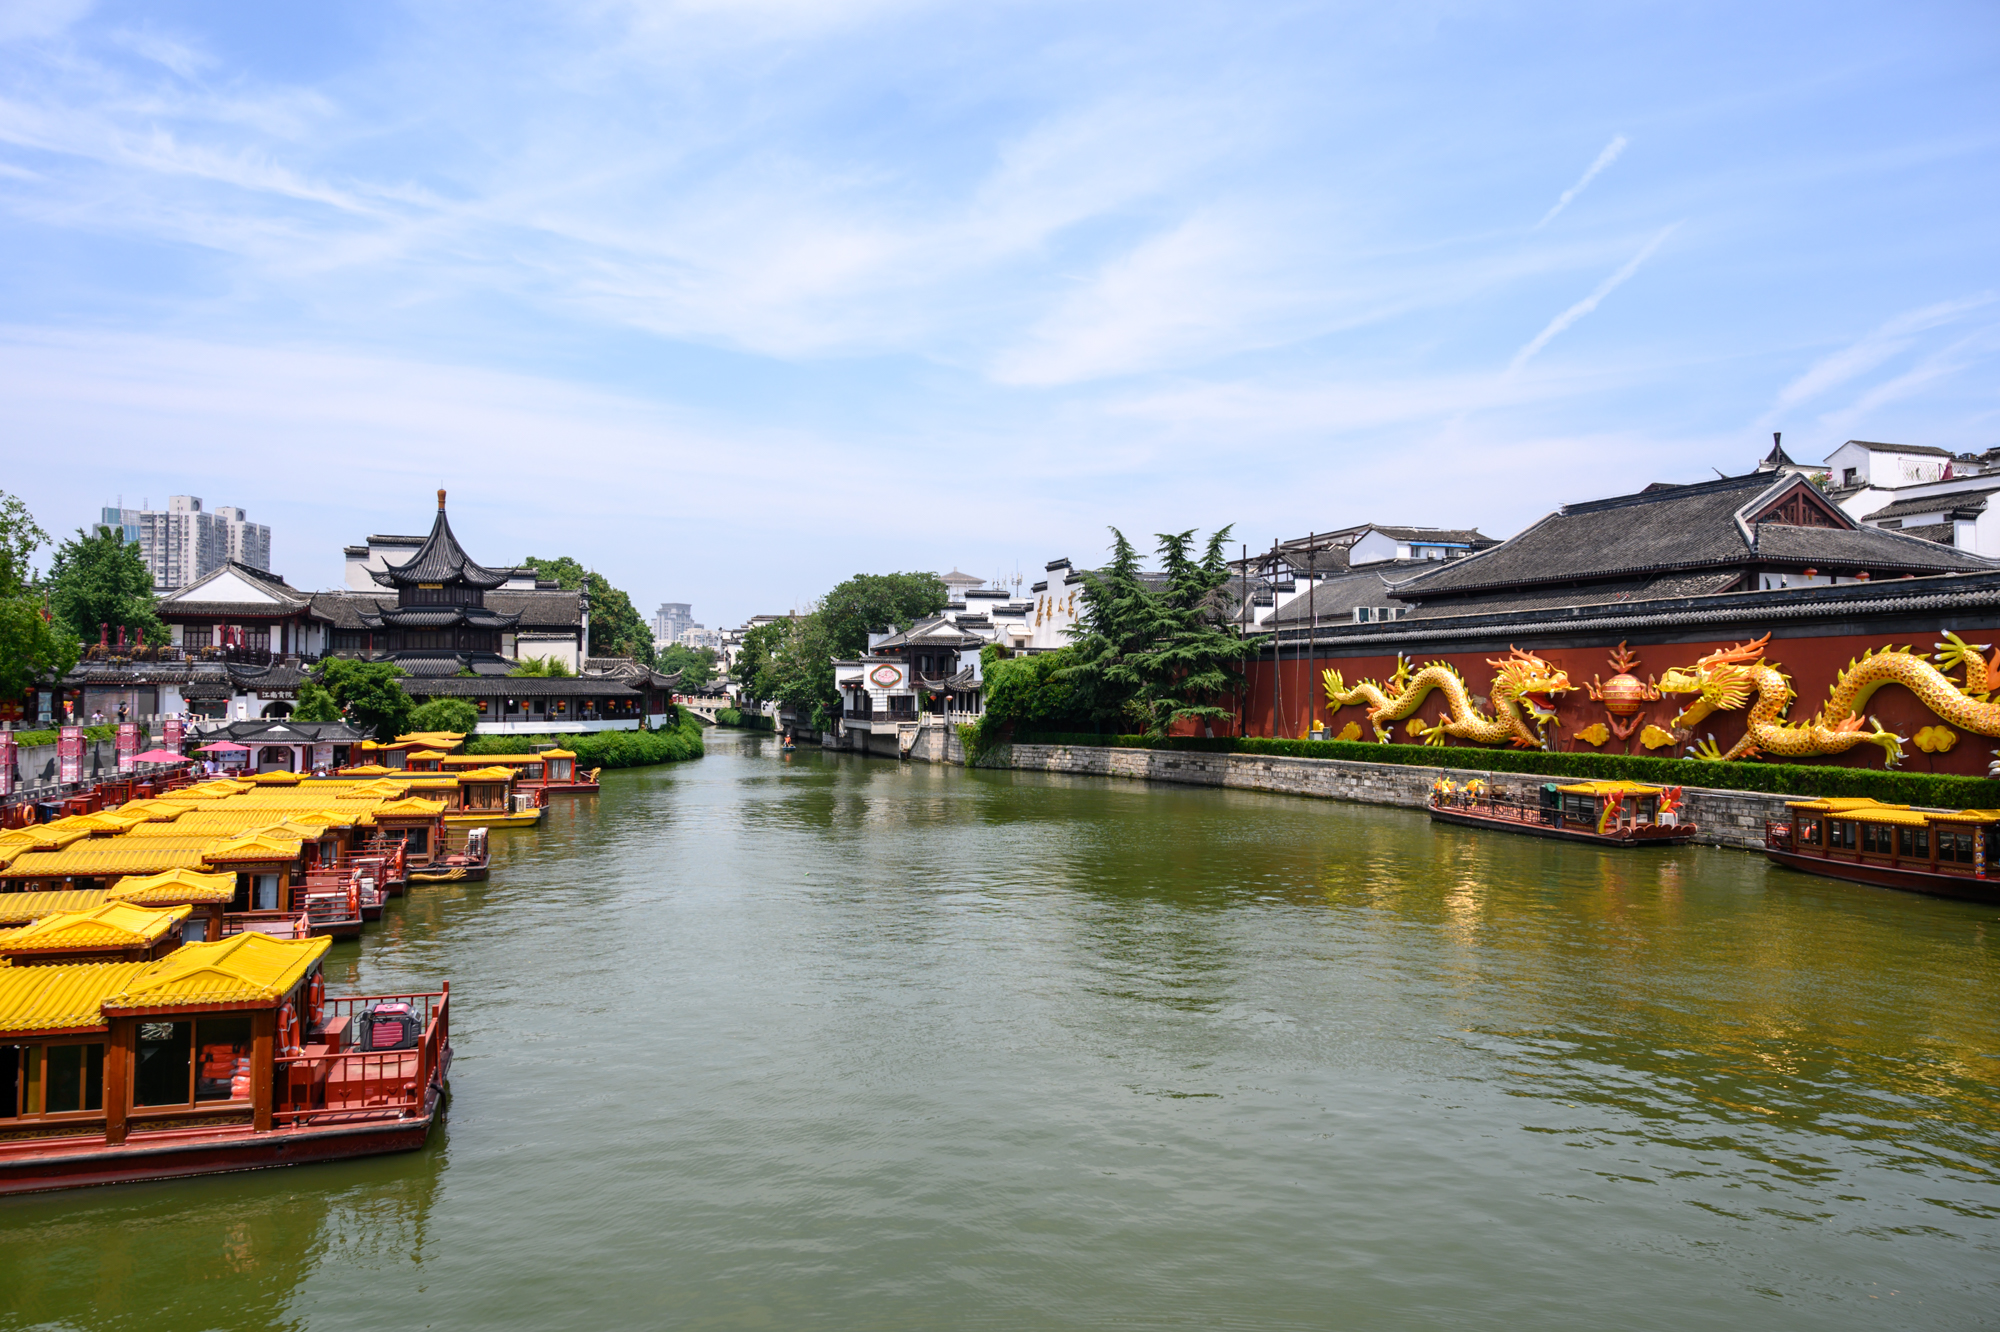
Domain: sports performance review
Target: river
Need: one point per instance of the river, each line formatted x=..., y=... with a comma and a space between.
x=774, y=1041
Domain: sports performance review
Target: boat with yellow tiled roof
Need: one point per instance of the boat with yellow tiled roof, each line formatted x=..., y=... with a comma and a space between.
x=217, y=1056
x=1943, y=853
x=1602, y=813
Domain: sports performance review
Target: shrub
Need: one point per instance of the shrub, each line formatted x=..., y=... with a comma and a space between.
x=443, y=714
x=606, y=749
x=1896, y=788
x=749, y=721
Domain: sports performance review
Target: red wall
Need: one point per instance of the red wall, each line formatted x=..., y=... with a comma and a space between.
x=1812, y=662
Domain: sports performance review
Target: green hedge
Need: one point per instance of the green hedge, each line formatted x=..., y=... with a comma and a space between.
x=605, y=749
x=1900, y=788
x=25, y=739
x=749, y=721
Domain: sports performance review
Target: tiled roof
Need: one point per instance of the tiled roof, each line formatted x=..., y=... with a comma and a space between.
x=101, y=856
x=175, y=885
x=106, y=925
x=247, y=968
x=1874, y=447
x=440, y=560
x=1957, y=501
x=61, y=998
x=1871, y=548
x=20, y=908
x=518, y=686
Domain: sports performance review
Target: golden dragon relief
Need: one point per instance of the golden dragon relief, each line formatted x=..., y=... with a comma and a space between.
x=1522, y=695
x=1725, y=680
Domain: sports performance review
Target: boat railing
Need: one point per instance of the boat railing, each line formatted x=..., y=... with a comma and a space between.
x=324, y=1086
x=277, y=924
x=1777, y=836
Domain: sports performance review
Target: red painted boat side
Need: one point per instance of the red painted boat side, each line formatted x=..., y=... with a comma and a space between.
x=179, y=1154
x=1652, y=835
x=1965, y=888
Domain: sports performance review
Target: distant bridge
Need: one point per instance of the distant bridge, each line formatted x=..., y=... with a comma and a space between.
x=705, y=708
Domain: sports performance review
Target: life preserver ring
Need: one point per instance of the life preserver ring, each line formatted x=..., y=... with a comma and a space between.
x=288, y=1030
x=316, y=999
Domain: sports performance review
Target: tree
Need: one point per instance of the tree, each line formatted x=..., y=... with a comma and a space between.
x=751, y=671
x=445, y=714
x=367, y=693
x=1119, y=621
x=696, y=665
x=540, y=667
x=867, y=602
x=316, y=704
x=31, y=647
x=101, y=579
x=1193, y=659
x=616, y=627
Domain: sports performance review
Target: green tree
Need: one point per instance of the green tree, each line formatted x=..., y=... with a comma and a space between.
x=867, y=602
x=445, y=714
x=368, y=695
x=616, y=627
x=1193, y=661
x=32, y=648
x=540, y=667
x=697, y=665
x=751, y=671
x=1119, y=621
x=316, y=704
x=100, y=579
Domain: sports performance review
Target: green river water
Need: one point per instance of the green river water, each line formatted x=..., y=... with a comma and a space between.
x=817, y=1042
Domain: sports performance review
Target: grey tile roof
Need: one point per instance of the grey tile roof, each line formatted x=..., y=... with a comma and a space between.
x=1872, y=548
x=1874, y=447
x=440, y=560
x=1957, y=501
x=523, y=686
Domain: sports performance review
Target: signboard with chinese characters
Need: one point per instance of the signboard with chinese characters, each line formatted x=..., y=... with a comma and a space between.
x=322, y=755
x=69, y=754
x=128, y=745
x=886, y=677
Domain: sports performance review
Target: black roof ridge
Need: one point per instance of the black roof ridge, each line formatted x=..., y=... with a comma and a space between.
x=441, y=560
x=1744, y=482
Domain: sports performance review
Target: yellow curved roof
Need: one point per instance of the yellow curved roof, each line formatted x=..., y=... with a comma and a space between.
x=108, y=821
x=21, y=908
x=1608, y=788
x=255, y=846
x=1841, y=804
x=62, y=998
x=106, y=925
x=1969, y=816
x=247, y=968
x=409, y=809
x=431, y=737
x=555, y=753
x=366, y=770
x=276, y=777
x=156, y=811
x=43, y=836
x=176, y=885
x=496, y=759
x=493, y=774
x=426, y=754
x=112, y=855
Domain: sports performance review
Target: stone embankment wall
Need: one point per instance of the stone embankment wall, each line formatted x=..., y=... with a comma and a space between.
x=1726, y=818
x=36, y=767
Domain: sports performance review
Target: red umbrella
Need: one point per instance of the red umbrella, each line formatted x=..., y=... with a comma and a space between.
x=224, y=747
x=158, y=756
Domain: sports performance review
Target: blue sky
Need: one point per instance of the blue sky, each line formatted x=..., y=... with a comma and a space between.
x=733, y=300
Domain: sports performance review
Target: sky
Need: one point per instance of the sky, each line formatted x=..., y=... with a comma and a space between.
x=734, y=300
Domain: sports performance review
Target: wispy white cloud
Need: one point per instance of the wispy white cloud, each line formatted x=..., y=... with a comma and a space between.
x=1872, y=349
x=1590, y=302
x=1604, y=159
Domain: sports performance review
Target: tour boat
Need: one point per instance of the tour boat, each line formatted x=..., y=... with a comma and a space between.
x=1599, y=813
x=217, y=1056
x=467, y=863
x=552, y=770
x=1889, y=846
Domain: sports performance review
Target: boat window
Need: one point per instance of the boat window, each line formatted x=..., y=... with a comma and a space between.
x=1840, y=834
x=1649, y=809
x=161, y=1077
x=531, y=770
x=418, y=840
x=74, y=1079
x=1914, y=843
x=10, y=1081
x=1876, y=838
x=194, y=929
x=1954, y=847
x=222, y=1071
x=1581, y=808
x=1808, y=832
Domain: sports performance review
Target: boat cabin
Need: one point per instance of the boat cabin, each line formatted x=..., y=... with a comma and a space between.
x=1892, y=846
x=217, y=1056
x=1611, y=813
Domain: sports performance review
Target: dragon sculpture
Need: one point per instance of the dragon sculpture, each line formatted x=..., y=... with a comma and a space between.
x=1521, y=695
x=1726, y=679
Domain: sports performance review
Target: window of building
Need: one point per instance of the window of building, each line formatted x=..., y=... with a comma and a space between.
x=1914, y=843
x=197, y=635
x=1877, y=839
x=51, y=1079
x=1954, y=847
x=1850, y=476
x=1841, y=835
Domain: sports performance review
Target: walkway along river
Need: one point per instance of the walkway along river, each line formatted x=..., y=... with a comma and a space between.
x=767, y=1041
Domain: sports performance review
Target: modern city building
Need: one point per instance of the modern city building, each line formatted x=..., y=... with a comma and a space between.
x=673, y=619
x=182, y=543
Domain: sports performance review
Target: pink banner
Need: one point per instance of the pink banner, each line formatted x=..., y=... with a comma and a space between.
x=69, y=754
x=6, y=763
x=171, y=734
x=322, y=755
x=128, y=745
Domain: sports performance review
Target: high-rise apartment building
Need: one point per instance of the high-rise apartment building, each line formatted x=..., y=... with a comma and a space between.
x=181, y=542
x=673, y=619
